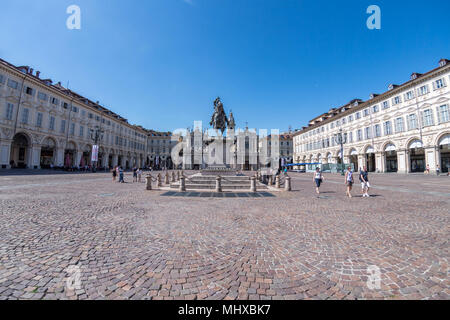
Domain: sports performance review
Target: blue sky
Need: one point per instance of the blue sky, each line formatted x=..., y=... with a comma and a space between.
x=275, y=63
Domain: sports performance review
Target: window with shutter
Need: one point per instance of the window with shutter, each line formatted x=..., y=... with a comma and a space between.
x=443, y=114
x=427, y=116
x=438, y=115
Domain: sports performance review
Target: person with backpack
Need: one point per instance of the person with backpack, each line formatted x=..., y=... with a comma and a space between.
x=318, y=179
x=364, y=179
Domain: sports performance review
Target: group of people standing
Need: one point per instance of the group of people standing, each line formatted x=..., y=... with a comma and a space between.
x=348, y=179
x=118, y=171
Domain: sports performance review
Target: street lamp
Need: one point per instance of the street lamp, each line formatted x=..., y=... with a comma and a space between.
x=96, y=135
x=341, y=139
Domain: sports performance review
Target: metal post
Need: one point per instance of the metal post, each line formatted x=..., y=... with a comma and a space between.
x=173, y=176
x=277, y=181
x=270, y=180
x=178, y=175
x=148, y=179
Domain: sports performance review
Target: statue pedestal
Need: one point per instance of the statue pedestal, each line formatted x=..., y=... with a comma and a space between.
x=218, y=170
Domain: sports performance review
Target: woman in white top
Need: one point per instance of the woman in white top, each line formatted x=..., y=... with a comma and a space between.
x=349, y=181
x=317, y=179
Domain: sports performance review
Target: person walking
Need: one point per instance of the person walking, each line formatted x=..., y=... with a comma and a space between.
x=349, y=181
x=114, y=174
x=318, y=179
x=134, y=174
x=121, y=180
x=364, y=179
x=438, y=170
x=139, y=174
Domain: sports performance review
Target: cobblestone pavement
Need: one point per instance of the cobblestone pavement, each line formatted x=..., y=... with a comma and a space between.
x=123, y=242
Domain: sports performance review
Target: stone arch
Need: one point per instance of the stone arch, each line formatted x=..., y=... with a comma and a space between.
x=364, y=149
x=49, y=142
x=71, y=145
x=26, y=135
x=319, y=157
x=440, y=136
x=337, y=152
x=87, y=148
x=411, y=140
x=20, y=155
x=351, y=152
x=385, y=144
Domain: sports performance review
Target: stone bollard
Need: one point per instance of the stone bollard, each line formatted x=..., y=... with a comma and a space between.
x=277, y=181
x=159, y=182
x=182, y=184
x=148, y=179
x=252, y=184
x=166, y=178
x=287, y=186
x=173, y=176
x=218, y=184
x=270, y=180
x=178, y=175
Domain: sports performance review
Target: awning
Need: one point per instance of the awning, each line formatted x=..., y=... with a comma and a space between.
x=416, y=144
x=390, y=147
x=445, y=140
x=370, y=150
x=354, y=153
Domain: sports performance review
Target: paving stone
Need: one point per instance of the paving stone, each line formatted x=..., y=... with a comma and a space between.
x=139, y=245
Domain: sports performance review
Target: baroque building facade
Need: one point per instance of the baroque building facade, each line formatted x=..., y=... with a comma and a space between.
x=285, y=147
x=46, y=125
x=159, y=149
x=404, y=130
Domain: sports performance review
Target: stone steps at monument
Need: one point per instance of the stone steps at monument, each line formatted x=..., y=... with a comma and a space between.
x=224, y=179
x=211, y=185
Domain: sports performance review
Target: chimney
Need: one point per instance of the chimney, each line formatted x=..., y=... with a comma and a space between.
x=38, y=73
x=31, y=71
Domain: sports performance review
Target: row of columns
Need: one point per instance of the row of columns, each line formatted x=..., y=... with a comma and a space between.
x=33, y=157
x=431, y=158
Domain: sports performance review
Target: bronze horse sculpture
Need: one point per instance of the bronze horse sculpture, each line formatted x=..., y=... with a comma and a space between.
x=219, y=120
